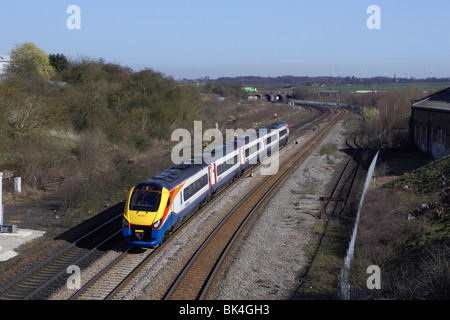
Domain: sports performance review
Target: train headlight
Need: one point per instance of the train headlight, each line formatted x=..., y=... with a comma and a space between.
x=157, y=224
x=125, y=223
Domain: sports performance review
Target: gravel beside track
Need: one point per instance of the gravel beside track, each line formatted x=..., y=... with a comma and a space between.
x=274, y=251
x=166, y=266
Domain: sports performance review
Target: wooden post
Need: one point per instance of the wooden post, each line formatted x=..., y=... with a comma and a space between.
x=328, y=199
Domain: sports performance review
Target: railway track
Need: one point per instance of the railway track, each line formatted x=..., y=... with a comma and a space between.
x=198, y=274
x=344, y=186
x=35, y=283
x=121, y=274
x=104, y=285
x=39, y=281
x=334, y=205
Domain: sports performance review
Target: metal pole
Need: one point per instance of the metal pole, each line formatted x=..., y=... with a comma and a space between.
x=1, y=199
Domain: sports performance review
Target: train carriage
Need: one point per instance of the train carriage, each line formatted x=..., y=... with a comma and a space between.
x=159, y=205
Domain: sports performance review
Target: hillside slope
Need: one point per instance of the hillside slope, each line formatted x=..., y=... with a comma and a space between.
x=405, y=230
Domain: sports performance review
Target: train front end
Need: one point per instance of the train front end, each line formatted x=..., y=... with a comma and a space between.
x=145, y=214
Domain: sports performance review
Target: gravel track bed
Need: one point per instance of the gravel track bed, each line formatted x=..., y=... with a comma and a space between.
x=274, y=249
x=155, y=279
x=273, y=253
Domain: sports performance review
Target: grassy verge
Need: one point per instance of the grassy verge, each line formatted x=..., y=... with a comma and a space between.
x=327, y=252
x=405, y=230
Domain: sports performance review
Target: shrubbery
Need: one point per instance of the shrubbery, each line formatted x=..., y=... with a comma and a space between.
x=84, y=125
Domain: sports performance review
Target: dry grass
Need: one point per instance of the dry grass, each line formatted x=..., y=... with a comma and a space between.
x=326, y=251
x=407, y=234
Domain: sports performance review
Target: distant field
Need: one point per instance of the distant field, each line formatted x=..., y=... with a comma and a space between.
x=389, y=87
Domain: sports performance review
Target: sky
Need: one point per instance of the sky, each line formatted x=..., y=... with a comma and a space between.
x=230, y=38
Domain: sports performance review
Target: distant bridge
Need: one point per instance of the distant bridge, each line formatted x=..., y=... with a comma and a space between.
x=278, y=97
x=272, y=97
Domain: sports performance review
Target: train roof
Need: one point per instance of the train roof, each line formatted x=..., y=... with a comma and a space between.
x=173, y=176
x=277, y=125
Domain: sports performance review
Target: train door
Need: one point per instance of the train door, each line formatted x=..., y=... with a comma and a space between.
x=212, y=176
x=241, y=158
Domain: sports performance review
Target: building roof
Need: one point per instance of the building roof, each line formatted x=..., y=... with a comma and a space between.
x=439, y=101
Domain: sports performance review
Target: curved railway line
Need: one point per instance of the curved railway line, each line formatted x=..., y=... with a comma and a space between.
x=344, y=186
x=198, y=274
x=119, y=280
x=340, y=196
x=33, y=283
x=119, y=274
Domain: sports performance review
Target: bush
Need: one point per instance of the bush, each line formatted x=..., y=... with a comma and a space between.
x=140, y=141
x=128, y=173
x=328, y=149
x=160, y=131
x=90, y=196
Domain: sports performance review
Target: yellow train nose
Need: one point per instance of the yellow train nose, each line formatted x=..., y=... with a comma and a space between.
x=146, y=206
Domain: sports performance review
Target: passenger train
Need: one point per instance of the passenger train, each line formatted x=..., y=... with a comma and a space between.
x=156, y=207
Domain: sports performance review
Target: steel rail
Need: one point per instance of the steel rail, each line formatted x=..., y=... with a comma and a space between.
x=123, y=280
x=34, y=271
x=205, y=279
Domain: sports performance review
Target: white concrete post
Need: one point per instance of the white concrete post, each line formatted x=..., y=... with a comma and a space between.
x=1, y=198
x=17, y=185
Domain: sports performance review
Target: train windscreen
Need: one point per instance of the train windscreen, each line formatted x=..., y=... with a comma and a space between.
x=145, y=198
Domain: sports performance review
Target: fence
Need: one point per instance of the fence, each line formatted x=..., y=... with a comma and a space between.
x=345, y=291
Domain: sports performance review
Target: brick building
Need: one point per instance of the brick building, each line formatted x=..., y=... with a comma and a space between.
x=431, y=123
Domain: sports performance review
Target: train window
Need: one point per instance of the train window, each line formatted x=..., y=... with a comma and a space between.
x=145, y=200
x=283, y=132
x=269, y=139
x=186, y=193
x=251, y=150
x=195, y=187
x=228, y=164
